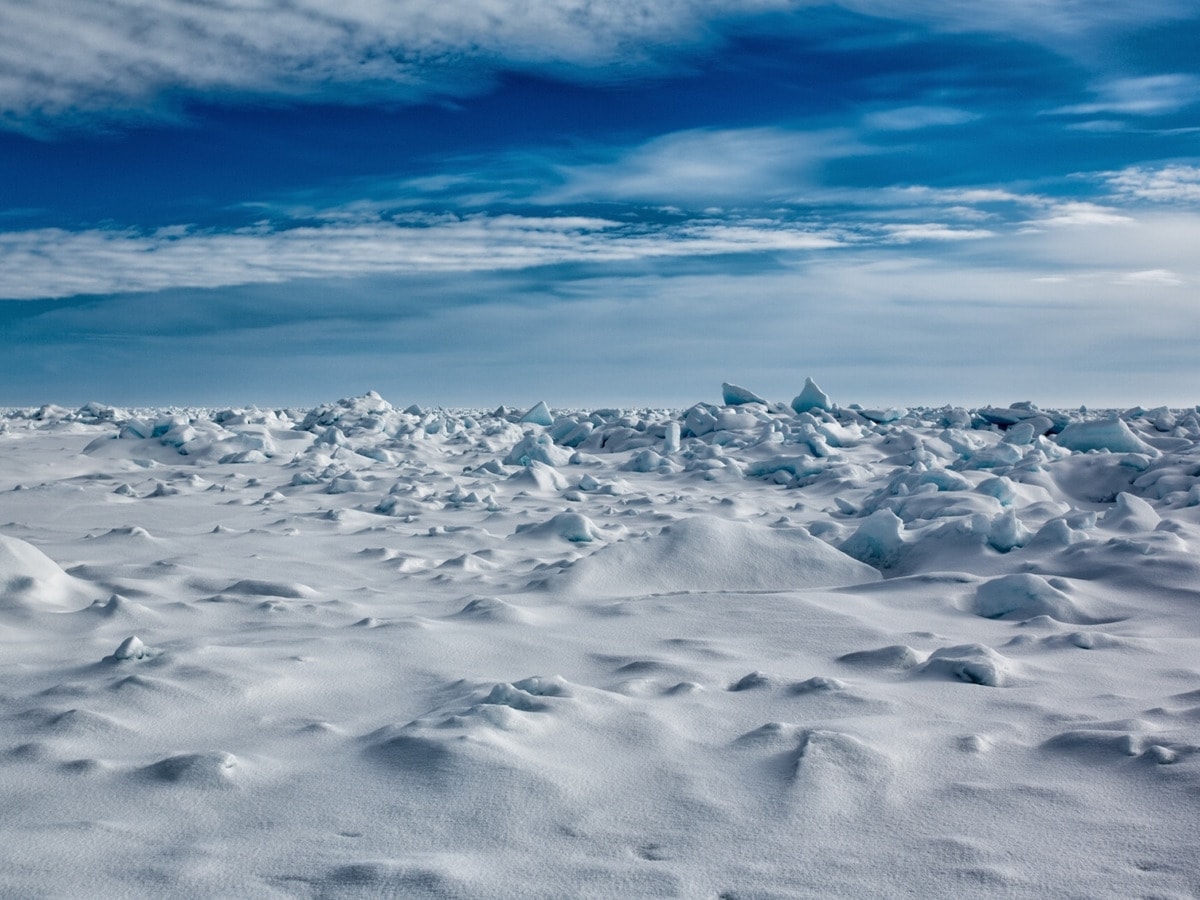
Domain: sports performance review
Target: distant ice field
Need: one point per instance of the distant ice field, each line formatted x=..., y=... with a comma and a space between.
x=750, y=649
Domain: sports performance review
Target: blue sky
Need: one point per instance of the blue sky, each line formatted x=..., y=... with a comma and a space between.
x=495, y=201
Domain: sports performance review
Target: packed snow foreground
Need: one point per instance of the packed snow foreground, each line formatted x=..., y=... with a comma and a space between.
x=749, y=649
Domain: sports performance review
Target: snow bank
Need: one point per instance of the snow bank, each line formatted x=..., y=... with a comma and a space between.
x=31, y=582
x=705, y=553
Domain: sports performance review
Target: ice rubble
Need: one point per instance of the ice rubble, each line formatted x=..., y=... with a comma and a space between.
x=899, y=490
x=354, y=599
x=981, y=470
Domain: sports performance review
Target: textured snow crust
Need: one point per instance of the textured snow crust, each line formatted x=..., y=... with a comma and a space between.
x=753, y=648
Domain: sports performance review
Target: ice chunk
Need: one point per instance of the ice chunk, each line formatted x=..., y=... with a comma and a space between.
x=573, y=433
x=1006, y=532
x=649, y=461
x=999, y=487
x=736, y=396
x=537, y=448
x=1104, y=434
x=130, y=648
x=539, y=414
x=878, y=541
x=1022, y=433
x=810, y=398
x=883, y=416
x=671, y=440
x=699, y=420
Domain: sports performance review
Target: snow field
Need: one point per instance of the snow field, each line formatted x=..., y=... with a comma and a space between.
x=748, y=649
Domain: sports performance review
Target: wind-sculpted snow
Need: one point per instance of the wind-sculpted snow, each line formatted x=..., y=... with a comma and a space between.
x=708, y=553
x=755, y=647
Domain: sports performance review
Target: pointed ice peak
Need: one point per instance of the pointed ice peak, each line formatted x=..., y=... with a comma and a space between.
x=538, y=415
x=812, y=397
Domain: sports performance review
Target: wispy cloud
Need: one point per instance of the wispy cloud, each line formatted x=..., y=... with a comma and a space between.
x=1168, y=184
x=933, y=231
x=51, y=263
x=703, y=167
x=1145, y=96
x=363, y=240
x=1058, y=23
x=63, y=62
x=911, y=118
x=1076, y=213
x=1162, y=277
x=65, y=59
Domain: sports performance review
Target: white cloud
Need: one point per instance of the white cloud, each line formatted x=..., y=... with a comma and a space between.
x=1162, y=277
x=919, y=193
x=1168, y=184
x=1106, y=251
x=69, y=58
x=362, y=239
x=1064, y=24
x=910, y=118
x=933, y=231
x=51, y=263
x=1146, y=96
x=705, y=166
x=62, y=61
x=1099, y=126
x=1076, y=213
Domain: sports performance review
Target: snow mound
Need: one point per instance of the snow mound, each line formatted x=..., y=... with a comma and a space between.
x=569, y=526
x=130, y=648
x=818, y=684
x=1130, y=514
x=122, y=609
x=539, y=476
x=75, y=723
x=971, y=663
x=249, y=587
x=752, y=681
x=893, y=656
x=30, y=581
x=493, y=609
x=208, y=770
x=825, y=773
x=1102, y=745
x=705, y=553
x=462, y=742
x=1024, y=596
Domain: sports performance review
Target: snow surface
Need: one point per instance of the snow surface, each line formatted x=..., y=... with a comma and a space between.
x=748, y=649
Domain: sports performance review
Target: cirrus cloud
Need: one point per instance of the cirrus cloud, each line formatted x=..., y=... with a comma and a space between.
x=52, y=263
x=69, y=62
x=65, y=60
x=1166, y=184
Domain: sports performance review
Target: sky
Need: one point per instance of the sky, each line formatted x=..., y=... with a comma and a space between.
x=467, y=203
